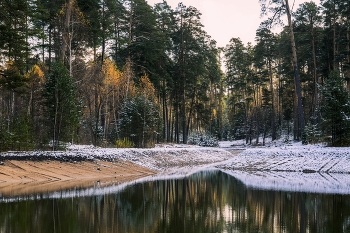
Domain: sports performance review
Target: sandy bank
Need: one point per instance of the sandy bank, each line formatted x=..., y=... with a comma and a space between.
x=44, y=171
x=27, y=177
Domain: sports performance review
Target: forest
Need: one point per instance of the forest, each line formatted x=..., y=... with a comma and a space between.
x=122, y=73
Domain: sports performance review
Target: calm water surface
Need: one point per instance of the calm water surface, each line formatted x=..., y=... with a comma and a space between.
x=203, y=202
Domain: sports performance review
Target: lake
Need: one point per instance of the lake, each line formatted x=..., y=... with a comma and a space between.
x=208, y=201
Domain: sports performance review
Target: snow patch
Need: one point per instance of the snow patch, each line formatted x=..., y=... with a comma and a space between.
x=295, y=167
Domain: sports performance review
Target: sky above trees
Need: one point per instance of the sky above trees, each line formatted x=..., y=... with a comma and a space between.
x=226, y=19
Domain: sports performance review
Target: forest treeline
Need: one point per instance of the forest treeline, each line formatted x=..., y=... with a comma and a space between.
x=123, y=73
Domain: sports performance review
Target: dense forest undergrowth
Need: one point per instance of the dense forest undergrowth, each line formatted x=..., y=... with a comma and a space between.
x=122, y=73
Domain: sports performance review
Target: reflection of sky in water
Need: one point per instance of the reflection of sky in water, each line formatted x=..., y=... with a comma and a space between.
x=228, y=213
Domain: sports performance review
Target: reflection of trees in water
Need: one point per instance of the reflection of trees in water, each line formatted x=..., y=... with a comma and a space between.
x=204, y=202
x=277, y=211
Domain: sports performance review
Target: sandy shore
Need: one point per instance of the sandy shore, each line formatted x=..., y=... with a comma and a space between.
x=28, y=177
x=35, y=172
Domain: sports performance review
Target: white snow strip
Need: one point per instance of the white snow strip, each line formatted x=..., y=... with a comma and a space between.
x=165, y=159
x=311, y=168
x=293, y=158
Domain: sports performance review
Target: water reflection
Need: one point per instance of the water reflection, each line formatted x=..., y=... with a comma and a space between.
x=203, y=202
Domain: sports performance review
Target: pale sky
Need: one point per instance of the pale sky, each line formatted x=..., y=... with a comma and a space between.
x=225, y=19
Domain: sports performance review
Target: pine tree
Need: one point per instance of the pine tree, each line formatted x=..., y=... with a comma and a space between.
x=335, y=109
x=62, y=107
x=165, y=25
x=14, y=30
x=307, y=28
x=140, y=116
x=189, y=47
x=277, y=8
x=238, y=79
x=46, y=21
x=72, y=30
x=265, y=52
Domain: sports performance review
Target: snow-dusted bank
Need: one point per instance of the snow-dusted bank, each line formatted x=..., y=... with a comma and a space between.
x=163, y=159
x=311, y=168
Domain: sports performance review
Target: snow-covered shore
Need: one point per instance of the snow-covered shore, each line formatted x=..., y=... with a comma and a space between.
x=163, y=158
x=296, y=158
x=296, y=167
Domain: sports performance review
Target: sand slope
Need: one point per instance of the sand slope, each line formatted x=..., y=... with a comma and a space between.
x=26, y=177
x=35, y=172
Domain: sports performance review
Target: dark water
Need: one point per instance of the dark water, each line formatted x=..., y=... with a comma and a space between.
x=203, y=202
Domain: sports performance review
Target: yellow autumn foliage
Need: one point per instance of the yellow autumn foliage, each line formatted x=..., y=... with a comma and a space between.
x=146, y=87
x=11, y=65
x=35, y=73
x=111, y=73
x=127, y=79
x=72, y=4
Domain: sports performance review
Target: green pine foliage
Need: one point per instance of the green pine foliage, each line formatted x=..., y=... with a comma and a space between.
x=335, y=110
x=200, y=139
x=12, y=79
x=312, y=134
x=17, y=135
x=5, y=135
x=139, y=121
x=62, y=107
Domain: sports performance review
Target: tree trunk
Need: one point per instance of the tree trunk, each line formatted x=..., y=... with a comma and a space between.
x=295, y=118
x=43, y=45
x=300, y=108
x=183, y=113
x=191, y=111
x=55, y=120
x=335, y=65
x=220, y=110
x=273, y=114
x=347, y=70
x=315, y=68
x=131, y=24
x=65, y=30
x=177, y=139
x=165, y=115
x=103, y=32
x=97, y=115
x=183, y=94
x=171, y=125
x=50, y=47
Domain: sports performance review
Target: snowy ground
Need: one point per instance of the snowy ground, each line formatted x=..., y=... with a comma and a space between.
x=293, y=167
x=167, y=158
